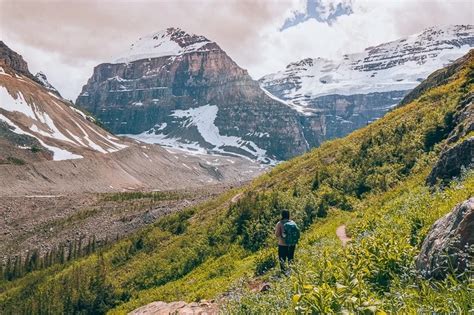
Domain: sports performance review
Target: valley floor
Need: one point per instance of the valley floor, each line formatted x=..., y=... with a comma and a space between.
x=45, y=222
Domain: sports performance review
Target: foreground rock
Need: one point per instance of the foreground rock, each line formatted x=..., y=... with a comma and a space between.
x=163, y=308
x=446, y=246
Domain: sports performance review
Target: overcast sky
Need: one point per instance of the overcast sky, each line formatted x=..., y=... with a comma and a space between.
x=66, y=39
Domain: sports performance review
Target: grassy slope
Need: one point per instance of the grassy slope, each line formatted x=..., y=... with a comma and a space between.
x=377, y=173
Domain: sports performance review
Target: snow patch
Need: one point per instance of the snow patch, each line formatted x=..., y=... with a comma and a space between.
x=203, y=118
x=157, y=45
x=58, y=153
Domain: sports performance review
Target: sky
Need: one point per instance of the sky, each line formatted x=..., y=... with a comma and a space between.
x=66, y=39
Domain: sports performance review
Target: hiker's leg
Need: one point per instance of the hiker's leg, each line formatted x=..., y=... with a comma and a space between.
x=291, y=253
x=282, y=255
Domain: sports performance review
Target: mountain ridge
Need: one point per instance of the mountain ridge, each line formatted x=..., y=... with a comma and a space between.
x=344, y=95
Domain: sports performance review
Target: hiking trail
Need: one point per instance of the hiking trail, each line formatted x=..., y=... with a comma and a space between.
x=341, y=234
x=236, y=198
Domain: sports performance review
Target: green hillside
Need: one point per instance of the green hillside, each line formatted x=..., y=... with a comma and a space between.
x=372, y=180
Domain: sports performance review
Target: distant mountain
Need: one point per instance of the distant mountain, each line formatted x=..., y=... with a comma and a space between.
x=340, y=96
x=182, y=90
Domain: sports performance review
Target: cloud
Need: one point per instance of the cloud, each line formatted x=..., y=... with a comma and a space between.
x=372, y=22
x=66, y=39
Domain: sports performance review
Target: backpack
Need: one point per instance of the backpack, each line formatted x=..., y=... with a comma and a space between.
x=291, y=233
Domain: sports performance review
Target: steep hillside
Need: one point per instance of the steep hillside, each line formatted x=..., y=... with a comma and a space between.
x=372, y=180
x=183, y=90
x=343, y=95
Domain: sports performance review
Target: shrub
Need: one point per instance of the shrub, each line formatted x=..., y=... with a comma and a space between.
x=265, y=261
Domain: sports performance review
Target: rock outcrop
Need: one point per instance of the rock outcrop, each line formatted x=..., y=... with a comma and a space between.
x=448, y=245
x=452, y=162
x=41, y=78
x=13, y=60
x=179, y=89
x=340, y=96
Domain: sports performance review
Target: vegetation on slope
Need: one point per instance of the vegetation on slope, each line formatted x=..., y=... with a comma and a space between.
x=373, y=178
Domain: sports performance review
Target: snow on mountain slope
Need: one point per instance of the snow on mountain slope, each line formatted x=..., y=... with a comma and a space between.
x=170, y=42
x=33, y=110
x=209, y=140
x=395, y=66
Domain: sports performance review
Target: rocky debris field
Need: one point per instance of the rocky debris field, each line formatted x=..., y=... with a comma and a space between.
x=44, y=222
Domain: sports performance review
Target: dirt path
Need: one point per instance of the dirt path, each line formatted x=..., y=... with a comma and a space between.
x=341, y=234
x=162, y=308
x=236, y=198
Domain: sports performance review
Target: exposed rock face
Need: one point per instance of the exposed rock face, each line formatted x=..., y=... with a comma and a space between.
x=13, y=60
x=179, y=89
x=448, y=243
x=183, y=308
x=452, y=161
x=344, y=95
x=41, y=78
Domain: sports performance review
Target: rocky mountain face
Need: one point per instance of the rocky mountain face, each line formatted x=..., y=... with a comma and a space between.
x=183, y=90
x=340, y=96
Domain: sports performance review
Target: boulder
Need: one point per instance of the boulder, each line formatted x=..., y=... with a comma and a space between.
x=448, y=245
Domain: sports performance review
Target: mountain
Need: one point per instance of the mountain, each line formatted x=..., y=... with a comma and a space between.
x=340, y=96
x=182, y=90
x=66, y=152
x=371, y=183
x=37, y=124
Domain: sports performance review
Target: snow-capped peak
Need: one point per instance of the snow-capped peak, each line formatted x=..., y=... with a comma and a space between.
x=399, y=65
x=170, y=42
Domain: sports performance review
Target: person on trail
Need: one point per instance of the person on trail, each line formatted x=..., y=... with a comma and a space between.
x=288, y=235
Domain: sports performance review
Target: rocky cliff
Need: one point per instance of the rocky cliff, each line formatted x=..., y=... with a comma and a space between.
x=183, y=90
x=344, y=95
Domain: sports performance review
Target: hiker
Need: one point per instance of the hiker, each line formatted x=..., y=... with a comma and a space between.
x=288, y=235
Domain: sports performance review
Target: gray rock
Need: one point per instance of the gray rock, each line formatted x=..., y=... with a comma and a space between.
x=448, y=245
x=452, y=162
